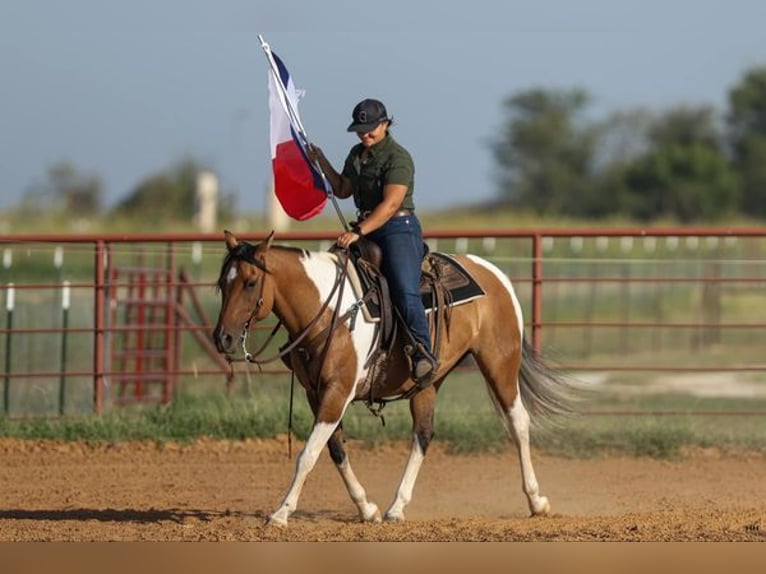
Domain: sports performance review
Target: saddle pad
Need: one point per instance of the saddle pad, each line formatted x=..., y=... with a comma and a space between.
x=460, y=283
x=456, y=278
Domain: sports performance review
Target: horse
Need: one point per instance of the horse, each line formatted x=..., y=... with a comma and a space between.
x=329, y=355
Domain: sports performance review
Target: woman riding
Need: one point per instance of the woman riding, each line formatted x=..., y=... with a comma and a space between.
x=379, y=173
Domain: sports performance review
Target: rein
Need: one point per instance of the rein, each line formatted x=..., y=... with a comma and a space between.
x=253, y=357
x=374, y=405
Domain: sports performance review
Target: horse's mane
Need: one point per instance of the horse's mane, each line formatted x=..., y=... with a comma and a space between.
x=245, y=251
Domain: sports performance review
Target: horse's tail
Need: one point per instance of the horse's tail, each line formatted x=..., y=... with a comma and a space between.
x=544, y=390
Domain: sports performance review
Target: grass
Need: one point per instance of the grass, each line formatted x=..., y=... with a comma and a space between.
x=465, y=421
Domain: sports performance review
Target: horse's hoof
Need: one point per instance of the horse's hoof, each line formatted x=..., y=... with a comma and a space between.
x=276, y=520
x=394, y=517
x=540, y=507
x=372, y=514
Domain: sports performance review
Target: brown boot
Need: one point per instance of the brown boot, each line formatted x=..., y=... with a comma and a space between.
x=422, y=372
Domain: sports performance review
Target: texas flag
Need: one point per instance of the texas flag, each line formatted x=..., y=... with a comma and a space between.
x=297, y=183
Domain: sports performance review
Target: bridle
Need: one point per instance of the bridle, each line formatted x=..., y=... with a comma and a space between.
x=286, y=350
x=243, y=255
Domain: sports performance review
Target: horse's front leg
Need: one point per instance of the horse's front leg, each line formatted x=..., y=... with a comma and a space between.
x=307, y=458
x=422, y=410
x=328, y=411
x=368, y=511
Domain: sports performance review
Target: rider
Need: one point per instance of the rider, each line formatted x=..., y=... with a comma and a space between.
x=380, y=173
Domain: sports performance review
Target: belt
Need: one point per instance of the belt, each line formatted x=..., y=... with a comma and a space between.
x=362, y=215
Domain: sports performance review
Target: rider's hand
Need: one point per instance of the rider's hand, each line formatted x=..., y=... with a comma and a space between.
x=315, y=153
x=347, y=238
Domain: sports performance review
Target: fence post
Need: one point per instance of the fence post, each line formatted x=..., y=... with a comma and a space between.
x=9, y=302
x=64, y=336
x=168, y=389
x=99, y=326
x=537, y=290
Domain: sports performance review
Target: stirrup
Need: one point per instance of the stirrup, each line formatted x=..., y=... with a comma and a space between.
x=423, y=372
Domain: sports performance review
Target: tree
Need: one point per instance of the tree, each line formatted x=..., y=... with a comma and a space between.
x=685, y=173
x=80, y=194
x=166, y=196
x=621, y=139
x=545, y=155
x=66, y=189
x=747, y=138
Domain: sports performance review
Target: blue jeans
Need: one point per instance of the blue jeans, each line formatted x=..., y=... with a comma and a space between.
x=401, y=241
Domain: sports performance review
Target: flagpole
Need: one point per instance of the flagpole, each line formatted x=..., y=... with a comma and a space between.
x=295, y=120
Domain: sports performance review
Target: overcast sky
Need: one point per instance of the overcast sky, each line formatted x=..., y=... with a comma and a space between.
x=125, y=89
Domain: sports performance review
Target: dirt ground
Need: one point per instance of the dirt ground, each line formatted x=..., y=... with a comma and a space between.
x=213, y=490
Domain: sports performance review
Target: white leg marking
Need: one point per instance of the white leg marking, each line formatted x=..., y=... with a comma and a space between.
x=321, y=268
x=368, y=511
x=307, y=458
x=404, y=494
x=520, y=426
x=518, y=415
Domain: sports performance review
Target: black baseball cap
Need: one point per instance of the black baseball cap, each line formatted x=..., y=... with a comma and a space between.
x=367, y=115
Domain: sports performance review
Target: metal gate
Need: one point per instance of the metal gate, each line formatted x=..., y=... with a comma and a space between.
x=142, y=321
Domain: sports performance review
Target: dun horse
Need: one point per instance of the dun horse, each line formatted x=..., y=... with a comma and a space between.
x=330, y=356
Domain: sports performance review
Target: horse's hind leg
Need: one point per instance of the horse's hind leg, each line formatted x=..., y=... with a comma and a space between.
x=519, y=418
x=504, y=384
x=368, y=511
x=422, y=410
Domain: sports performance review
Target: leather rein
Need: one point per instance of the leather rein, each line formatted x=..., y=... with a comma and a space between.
x=286, y=350
x=335, y=321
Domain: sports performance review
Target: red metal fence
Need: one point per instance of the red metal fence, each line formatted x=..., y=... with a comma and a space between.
x=605, y=300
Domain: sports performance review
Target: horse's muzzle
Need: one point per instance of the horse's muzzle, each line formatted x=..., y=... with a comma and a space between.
x=223, y=340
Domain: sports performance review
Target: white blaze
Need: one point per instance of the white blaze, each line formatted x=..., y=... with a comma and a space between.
x=232, y=274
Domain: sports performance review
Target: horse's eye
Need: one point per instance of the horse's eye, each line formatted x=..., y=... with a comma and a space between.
x=250, y=284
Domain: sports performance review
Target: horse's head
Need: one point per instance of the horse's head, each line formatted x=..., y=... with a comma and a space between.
x=245, y=295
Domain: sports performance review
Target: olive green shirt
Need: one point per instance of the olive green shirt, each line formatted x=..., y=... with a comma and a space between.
x=387, y=162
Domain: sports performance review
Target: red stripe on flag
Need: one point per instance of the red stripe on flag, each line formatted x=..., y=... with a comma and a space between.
x=294, y=183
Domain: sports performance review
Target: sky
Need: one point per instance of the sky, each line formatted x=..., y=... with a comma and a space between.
x=124, y=90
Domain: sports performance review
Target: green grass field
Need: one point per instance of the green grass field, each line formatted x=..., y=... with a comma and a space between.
x=465, y=420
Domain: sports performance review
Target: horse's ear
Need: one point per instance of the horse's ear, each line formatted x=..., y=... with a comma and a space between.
x=231, y=241
x=269, y=239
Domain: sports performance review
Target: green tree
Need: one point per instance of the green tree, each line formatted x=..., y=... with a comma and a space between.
x=685, y=173
x=166, y=196
x=747, y=138
x=545, y=153
x=80, y=194
x=66, y=189
x=621, y=139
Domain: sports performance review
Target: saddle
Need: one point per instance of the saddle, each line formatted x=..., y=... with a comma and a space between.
x=443, y=279
x=444, y=284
